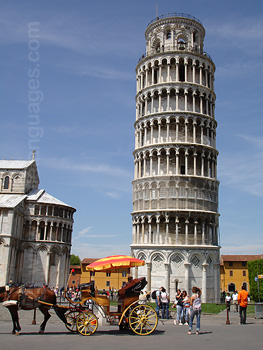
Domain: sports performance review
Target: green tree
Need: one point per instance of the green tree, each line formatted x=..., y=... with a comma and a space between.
x=255, y=268
x=74, y=260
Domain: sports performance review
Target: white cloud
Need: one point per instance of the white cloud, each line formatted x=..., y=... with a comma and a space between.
x=81, y=34
x=254, y=140
x=113, y=195
x=85, y=235
x=238, y=40
x=235, y=67
x=245, y=249
x=244, y=169
x=72, y=131
x=102, y=73
x=69, y=165
x=240, y=32
x=82, y=233
x=99, y=250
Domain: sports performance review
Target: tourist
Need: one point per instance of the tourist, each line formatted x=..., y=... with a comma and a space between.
x=242, y=302
x=228, y=301
x=234, y=298
x=158, y=301
x=195, y=303
x=179, y=307
x=142, y=298
x=186, y=308
x=165, y=303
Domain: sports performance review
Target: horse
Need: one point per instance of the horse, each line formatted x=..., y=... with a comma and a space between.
x=16, y=298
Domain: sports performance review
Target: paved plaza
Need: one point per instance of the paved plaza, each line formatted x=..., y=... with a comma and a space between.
x=215, y=334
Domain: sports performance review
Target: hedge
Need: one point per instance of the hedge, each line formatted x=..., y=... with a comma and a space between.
x=255, y=268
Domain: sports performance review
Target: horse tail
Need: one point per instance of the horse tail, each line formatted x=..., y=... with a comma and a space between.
x=54, y=300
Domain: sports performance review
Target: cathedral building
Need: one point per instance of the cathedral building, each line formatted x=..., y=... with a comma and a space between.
x=35, y=228
x=175, y=188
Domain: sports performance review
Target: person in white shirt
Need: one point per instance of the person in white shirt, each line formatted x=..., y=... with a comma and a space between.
x=228, y=301
x=165, y=303
x=234, y=298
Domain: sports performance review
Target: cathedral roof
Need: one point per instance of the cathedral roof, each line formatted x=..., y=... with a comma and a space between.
x=42, y=197
x=15, y=164
x=10, y=200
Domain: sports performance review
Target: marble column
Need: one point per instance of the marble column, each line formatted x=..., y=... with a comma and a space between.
x=167, y=277
x=149, y=269
x=187, y=266
x=204, y=267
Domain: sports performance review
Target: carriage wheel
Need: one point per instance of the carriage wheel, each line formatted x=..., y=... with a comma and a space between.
x=143, y=319
x=71, y=318
x=87, y=323
x=124, y=324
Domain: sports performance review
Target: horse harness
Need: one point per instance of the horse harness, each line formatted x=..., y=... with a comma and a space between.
x=24, y=299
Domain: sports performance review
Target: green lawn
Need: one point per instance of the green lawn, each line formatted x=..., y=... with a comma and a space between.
x=210, y=308
x=207, y=308
x=251, y=310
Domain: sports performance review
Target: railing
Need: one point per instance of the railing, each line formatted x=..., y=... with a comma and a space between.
x=170, y=48
x=175, y=14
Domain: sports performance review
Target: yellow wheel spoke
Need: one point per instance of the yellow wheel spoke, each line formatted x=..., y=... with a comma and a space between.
x=148, y=324
x=143, y=319
x=141, y=328
x=135, y=321
x=137, y=326
x=87, y=323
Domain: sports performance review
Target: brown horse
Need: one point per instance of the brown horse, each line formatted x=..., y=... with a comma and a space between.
x=27, y=299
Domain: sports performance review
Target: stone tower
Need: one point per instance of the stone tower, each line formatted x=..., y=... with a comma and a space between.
x=175, y=186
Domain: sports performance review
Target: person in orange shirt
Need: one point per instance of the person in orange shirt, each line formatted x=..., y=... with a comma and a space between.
x=242, y=301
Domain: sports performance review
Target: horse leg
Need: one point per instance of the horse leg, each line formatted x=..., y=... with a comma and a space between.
x=14, y=314
x=47, y=316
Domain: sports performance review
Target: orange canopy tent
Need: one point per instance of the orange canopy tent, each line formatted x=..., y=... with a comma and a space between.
x=114, y=262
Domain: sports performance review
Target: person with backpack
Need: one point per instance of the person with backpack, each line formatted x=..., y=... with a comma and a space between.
x=195, y=304
x=156, y=294
x=165, y=303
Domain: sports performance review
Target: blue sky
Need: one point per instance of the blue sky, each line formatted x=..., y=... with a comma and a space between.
x=85, y=54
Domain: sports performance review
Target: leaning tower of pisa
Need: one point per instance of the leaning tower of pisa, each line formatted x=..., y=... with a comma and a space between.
x=175, y=186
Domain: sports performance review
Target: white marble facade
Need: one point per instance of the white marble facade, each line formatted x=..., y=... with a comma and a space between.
x=175, y=187
x=35, y=228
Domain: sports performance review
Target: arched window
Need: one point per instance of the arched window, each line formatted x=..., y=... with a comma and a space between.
x=41, y=231
x=53, y=258
x=6, y=183
x=168, y=34
x=194, y=37
x=181, y=44
x=181, y=72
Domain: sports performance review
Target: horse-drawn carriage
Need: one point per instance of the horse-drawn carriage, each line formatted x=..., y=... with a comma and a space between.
x=130, y=314
x=82, y=316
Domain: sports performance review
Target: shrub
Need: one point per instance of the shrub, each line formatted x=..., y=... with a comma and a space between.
x=255, y=268
x=74, y=259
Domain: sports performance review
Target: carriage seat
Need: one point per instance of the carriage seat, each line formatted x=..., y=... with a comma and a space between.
x=130, y=292
x=132, y=288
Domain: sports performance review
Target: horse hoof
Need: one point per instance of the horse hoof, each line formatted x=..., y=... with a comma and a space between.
x=41, y=332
